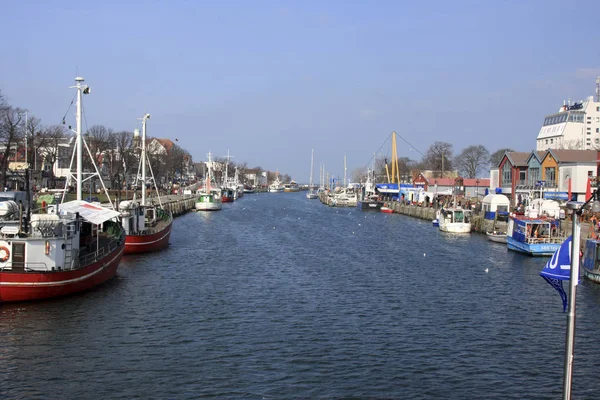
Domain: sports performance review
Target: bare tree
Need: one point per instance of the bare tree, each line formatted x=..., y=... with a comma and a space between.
x=471, y=160
x=11, y=132
x=125, y=153
x=496, y=156
x=98, y=139
x=439, y=158
x=33, y=132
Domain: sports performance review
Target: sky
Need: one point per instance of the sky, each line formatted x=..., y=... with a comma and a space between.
x=271, y=80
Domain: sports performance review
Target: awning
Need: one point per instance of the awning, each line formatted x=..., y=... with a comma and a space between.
x=90, y=212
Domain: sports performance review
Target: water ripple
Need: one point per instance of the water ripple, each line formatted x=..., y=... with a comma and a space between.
x=280, y=297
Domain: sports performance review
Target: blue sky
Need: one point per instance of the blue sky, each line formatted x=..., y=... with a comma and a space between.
x=269, y=80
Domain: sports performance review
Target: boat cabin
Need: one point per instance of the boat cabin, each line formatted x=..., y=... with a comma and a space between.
x=494, y=203
x=532, y=231
x=455, y=215
x=133, y=218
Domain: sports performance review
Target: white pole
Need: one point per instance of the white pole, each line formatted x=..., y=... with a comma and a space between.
x=574, y=278
x=79, y=87
x=345, y=169
x=144, y=118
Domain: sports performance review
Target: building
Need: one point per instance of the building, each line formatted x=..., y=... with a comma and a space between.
x=575, y=126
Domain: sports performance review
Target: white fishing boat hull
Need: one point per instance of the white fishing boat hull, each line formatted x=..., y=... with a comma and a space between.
x=456, y=227
x=496, y=237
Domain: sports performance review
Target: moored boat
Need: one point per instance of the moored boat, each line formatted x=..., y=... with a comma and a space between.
x=534, y=236
x=386, y=209
x=209, y=199
x=454, y=220
x=72, y=248
x=496, y=237
x=312, y=193
x=227, y=195
x=591, y=260
x=276, y=186
x=147, y=226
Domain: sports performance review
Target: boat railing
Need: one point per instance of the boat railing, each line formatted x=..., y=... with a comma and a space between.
x=28, y=267
x=106, y=248
x=545, y=240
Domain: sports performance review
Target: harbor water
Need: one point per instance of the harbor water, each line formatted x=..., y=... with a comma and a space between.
x=279, y=297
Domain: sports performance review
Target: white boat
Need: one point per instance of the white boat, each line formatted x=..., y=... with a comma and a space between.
x=209, y=199
x=496, y=237
x=311, y=194
x=454, y=220
x=276, y=186
x=291, y=187
x=209, y=202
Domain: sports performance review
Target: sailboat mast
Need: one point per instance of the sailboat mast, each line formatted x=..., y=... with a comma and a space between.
x=144, y=118
x=207, y=184
x=345, y=169
x=312, y=161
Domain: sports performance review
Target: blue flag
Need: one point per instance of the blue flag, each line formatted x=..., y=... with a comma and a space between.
x=558, y=269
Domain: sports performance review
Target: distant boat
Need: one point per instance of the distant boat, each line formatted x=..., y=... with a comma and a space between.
x=386, y=209
x=291, y=187
x=276, y=186
x=209, y=199
x=311, y=194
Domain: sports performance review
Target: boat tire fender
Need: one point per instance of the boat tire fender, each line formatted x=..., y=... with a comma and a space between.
x=4, y=253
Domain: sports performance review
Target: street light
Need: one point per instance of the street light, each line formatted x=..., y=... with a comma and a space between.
x=477, y=185
x=573, y=280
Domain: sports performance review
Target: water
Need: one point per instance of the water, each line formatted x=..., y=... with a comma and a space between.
x=280, y=297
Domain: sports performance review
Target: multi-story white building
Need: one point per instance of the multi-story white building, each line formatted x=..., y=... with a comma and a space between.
x=576, y=126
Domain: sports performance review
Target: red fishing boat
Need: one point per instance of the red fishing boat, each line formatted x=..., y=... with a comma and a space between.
x=147, y=226
x=60, y=250
x=227, y=195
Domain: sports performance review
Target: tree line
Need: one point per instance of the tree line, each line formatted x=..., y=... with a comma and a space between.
x=440, y=159
x=24, y=137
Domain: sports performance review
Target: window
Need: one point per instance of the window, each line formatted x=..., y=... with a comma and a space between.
x=546, y=141
x=551, y=140
x=590, y=174
x=506, y=175
x=597, y=140
x=550, y=174
x=597, y=130
x=534, y=175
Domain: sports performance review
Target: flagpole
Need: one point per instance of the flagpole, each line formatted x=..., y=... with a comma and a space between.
x=574, y=279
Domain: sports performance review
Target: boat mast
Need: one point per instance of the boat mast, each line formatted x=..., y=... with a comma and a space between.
x=207, y=184
x=345, y=169
x=312, y=160
x=144, y=118
x=81, y=88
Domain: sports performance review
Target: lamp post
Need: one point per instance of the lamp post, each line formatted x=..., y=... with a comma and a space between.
x=477, y=186
x=577, y=210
